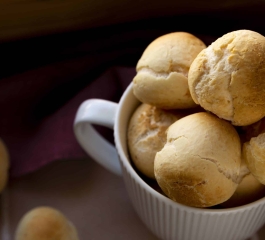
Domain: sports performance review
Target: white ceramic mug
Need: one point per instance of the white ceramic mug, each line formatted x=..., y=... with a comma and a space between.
x=164, y=217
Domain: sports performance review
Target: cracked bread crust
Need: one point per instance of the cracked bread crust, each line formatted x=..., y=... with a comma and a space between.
x=200, y=163
x=147, y=135
x=227, y=78
x=254, y=155
x=249, y=188
x=162, y=71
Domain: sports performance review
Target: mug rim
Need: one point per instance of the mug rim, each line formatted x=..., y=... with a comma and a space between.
x=131, y=170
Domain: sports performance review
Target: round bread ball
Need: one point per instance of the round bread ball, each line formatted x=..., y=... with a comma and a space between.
x=200, y=162
x=254, y=155
x=162, y=71
x=249, y=189
x=45, y=223
x=4, y=165
x=147, y=135
x=227, y=78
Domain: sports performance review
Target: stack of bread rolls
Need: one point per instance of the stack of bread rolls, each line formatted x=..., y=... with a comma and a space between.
x=199, y=129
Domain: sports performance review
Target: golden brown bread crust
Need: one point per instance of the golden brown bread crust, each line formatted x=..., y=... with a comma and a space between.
x=199, y=165
x=162, y=70
x=147, y=135
x=227, y=78
x=249, y=189
x=254, y=155
x=45, y=223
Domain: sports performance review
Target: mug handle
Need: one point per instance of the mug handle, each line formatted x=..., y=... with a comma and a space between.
x=100, y=112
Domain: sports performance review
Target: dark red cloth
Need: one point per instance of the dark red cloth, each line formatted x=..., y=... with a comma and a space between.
x=34, y=142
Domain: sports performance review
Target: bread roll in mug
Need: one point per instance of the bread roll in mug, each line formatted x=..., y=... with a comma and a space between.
x=249, y=189
x=147, y=135
x=254, y=155
x=162, y=71
x=227, y=78
x=45, y=223
x=199, y=165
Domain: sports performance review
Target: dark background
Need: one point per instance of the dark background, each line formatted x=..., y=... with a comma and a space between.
x=43, y=72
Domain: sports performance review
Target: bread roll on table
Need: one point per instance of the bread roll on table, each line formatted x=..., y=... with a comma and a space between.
x=162, y=71
x=227, y=78
x=200, y=163
x=45, y=223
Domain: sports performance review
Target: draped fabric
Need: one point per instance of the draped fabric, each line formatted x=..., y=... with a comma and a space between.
x=44, y=79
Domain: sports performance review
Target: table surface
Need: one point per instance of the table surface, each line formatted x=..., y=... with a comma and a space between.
x=95, y=201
